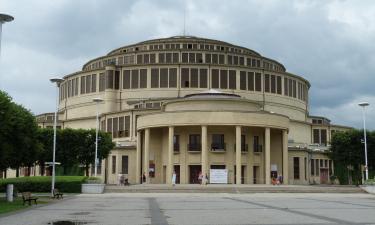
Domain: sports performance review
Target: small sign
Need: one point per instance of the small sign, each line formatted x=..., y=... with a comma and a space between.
x=273, y=167
x=218, y=176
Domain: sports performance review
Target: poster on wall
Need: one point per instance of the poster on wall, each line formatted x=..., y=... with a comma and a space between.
x=218, y=176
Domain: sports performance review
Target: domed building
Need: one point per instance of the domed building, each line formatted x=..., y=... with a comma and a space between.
x=195, y=106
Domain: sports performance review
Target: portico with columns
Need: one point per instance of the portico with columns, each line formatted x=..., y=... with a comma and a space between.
x=248, y=142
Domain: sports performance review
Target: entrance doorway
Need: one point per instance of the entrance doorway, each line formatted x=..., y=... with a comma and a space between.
x=256, y=174
x=176, y=169
x=323, y=176
x=194, y=171
x=243, y=169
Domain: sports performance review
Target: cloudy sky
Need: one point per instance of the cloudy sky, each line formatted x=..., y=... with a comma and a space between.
x=330, y=43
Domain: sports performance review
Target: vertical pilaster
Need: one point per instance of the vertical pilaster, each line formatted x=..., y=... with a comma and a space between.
x=204, y=150
x=267, y=157
x=238, y=155
x=138, y=174
x=285, y=157
x=147, y=154
x=170, y=155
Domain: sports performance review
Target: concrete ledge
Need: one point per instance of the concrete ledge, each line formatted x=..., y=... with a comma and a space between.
x=93, y=188
x=368, y=188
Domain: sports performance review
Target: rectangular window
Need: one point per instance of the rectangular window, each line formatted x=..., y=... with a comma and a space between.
x=161, y=57
x=115, y=127
x=152, y=58
x=175, y=58
x=223, y=79
x=296, y=167
x=126, y=79
x=235, y=60
x=290, y=88
x=172, y=77
x=317, y=168
x=139, y=59
x=323, y=137
x=194, y=77
x=109, y=125
x=185, y=78
x=109, y=79
x=146, y=58
x=273, y=84
x=294, y=89
x=93, y=83
x=127, y=126
x=143, y=78
x=168, y=57
x=312, y=162
x=135, y=79
x=121, y=127
x=154, y=78
x=243, y=80
x=256, y=146
x=208, y=58
x=185, y=57
x=214, y=59
x=83, y=84
x=199, y=58
x=124, y=164
x=250, y=81
x=232, y=79
x=316, y=136
x=267, y=83
x=194, y=142
x=215, y=78
x=203, y=78
x=221, y=59
x=217, y=142
x=191, y=57
x=286, y=89
x=101, y=82
x=163, y=77
x=258, y=82
x=176, y=143
x=113, y=164
x=242, y=60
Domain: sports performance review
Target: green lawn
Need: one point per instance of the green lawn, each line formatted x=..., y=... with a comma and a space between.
x=11, y=206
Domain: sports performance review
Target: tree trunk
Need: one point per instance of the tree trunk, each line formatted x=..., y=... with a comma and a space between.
x=87, y=170
x=17, y=172
x=42, y=167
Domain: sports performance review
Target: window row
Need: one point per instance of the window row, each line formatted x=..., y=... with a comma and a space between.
x=188, y=78
x=317, y=164
x=118, y=126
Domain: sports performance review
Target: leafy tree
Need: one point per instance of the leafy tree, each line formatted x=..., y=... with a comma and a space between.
x=5, y=146
x=347, y=152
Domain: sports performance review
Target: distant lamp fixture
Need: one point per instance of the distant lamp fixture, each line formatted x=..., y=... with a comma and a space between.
x=3, y=19
x=364, y=105
x=57, y=81
x=97, y=101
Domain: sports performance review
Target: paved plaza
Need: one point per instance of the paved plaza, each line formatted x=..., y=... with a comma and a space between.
x=203, y=208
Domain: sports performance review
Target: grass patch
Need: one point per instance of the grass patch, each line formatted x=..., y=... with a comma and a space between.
x=68, y=184
x=11, y=206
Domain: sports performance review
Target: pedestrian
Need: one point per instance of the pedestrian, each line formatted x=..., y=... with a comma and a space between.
x=200, y=177
x=144, y=177
x=174, y=178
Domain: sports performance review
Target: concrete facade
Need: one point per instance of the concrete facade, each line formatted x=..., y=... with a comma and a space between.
x=190, y=104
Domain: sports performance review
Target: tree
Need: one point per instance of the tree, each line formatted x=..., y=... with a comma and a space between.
x=347, y=152
x=5, y=146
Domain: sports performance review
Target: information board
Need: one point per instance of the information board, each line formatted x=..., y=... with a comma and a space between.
x=218, y=176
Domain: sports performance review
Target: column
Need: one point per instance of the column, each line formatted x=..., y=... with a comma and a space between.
x=285, y=157
x=238, y=155
x=204, y=150
x=267, y=157
x=138, y=169
x=147, y=154
x=170, y=156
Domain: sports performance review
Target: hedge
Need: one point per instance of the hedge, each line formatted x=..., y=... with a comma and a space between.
x=68, y=184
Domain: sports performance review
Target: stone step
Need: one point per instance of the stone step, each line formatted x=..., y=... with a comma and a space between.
x=231, y=189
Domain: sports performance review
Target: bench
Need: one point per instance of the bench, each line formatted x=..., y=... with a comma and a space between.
x=57, y=194
x=26, y=197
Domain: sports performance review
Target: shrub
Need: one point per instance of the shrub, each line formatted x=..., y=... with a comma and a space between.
x=93, y=180
x=69, y=184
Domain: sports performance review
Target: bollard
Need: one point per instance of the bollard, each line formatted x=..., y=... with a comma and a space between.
x=10, y=192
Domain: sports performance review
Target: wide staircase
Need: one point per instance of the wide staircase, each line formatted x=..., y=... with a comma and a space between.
x=230, y=188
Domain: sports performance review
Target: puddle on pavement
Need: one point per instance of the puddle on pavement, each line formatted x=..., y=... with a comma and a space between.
x=67, y=222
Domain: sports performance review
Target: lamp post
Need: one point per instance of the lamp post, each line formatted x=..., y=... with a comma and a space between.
x=58, y=81
x=363, y=105
x=97, y=101
x=3, y=19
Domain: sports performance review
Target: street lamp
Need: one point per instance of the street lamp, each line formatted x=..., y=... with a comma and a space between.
x=97, y=101
x=3, y=19
x=58, y=81
x=363, y=105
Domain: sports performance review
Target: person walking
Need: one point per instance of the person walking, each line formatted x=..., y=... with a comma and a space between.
x=174, y=176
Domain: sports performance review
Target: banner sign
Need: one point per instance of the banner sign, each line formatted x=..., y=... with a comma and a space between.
x=218, y=176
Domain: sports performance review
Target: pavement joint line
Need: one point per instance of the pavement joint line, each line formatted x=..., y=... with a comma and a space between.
x=157, y=216
x=345, y=203
x=329, y=219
